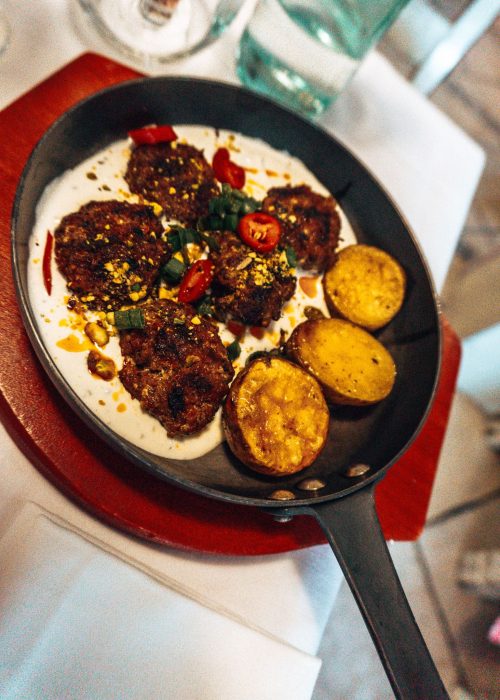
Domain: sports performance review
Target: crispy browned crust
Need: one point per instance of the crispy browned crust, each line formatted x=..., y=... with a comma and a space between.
x=110, y=252
x=175, y=175
x=310, y=221
x=249, y=287
x=177, y=366
x=275, y=417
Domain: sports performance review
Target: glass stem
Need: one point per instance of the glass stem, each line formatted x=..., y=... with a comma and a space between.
x=157, y=11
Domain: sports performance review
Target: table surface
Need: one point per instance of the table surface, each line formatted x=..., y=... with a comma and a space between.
x=388, y=126
x=127, y=498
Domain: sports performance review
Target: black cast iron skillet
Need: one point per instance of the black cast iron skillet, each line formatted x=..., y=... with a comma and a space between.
x=375, y=436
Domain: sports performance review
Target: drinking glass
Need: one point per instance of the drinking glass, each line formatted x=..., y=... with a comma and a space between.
x=304, y=52
x=153, y=32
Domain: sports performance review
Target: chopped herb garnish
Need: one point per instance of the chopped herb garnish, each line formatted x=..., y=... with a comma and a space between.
x=173, y=271
x=233, y=350
x=231, y=222
x=214, y=223
x=136, y=287
x=226, y=209
x=248, y=206
x=233, y=206
x=209, y=240
x=204, y=306
x=291, y=256
x=217, y=205
x=179, y=237
x=129, y=318
x=239, y=194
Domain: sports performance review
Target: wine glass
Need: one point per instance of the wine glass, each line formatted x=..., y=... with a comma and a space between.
x=154, y=32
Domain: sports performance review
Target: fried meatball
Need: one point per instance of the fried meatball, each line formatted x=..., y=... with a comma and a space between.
x=175, y=175
x=110, y=252
x=311, y=224
x=249, y=287
x=177, y=366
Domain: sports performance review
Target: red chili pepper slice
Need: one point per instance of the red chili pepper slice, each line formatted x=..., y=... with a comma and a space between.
x=196, y=281
x=236, y=328
x=260, y=231
x=257, y=332
x=226, y=170
x=152, y=134
x=46, y=269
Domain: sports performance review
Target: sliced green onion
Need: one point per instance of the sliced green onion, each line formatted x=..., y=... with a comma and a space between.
x=136, y=318
x=231, y=222
x=238, y=194
x=248, y=206
x=218, y=205
x=245, y=208
x=210, y=241
x=215, y=223
x=183, y=237
x=180, y=237
x=173, y=241
x=291, y=256
x=136, y=287
x=204, y=306
x=233, y=350
x=226, y=209
x=234, y=206
x=129, y=318
x=173, y=271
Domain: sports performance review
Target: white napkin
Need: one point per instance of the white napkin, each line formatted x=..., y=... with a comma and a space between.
x=241, y=587
x=76, y=622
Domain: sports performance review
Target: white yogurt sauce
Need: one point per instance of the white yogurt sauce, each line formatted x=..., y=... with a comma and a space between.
x=109, y=401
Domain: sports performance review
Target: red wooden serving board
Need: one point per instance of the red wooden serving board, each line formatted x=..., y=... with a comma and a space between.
x=86, y=469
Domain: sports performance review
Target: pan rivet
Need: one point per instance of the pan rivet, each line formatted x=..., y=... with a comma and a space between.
x=358, y=470
x=282, y=518
x=282, y=495
x=311, y=485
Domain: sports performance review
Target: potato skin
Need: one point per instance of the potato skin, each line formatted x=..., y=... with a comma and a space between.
x=275, y=417
x=352, y=367
x=365, y=285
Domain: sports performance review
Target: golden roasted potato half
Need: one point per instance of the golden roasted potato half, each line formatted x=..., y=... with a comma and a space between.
x=349, y=363
x=275, y=417
x=366, y=285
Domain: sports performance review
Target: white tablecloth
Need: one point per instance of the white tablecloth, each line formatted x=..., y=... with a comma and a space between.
x=272, y=609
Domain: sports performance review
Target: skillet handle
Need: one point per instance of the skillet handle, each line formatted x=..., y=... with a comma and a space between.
x=353, y=531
